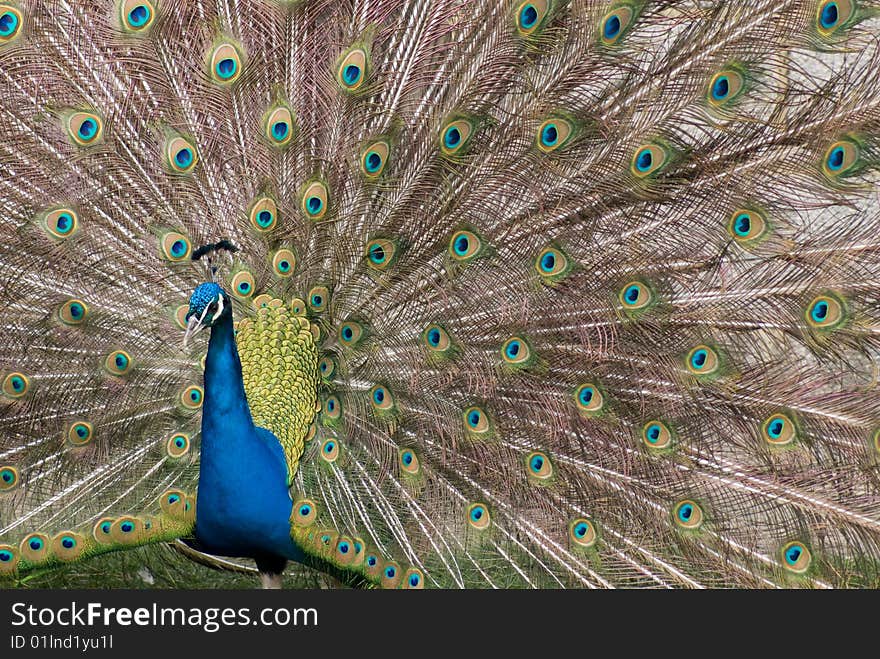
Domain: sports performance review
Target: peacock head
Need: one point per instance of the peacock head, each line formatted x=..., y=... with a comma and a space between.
x=207, y=305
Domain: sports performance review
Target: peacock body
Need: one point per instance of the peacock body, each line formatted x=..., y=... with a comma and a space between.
x=539, y=293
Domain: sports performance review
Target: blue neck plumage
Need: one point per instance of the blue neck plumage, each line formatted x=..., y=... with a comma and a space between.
x=225, y=410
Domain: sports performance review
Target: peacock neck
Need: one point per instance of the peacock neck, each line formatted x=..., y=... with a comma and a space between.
x=225, y=412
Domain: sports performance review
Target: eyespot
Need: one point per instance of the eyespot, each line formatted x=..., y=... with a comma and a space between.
x=408, y=461
x=635, y=296
x=35, y=547
x=372, y=566
x=840, y=158
x=476, y=420
x=538, y=466
x=136, y=15
x=118, y=362
x=279, y=126
x=80, y=433
x=8, y=554
x=225, y=64
x=589, y=399
x=796, y=557
x=614, y=24
x=530, y=15
x=15, y=385
x=552, y=265
x=68, y=546
x=180, y=155
x=84, y=128
x=191, y=397
x=582, y=532
x=830, y=16
x=314, y=201
x=61, y=223
x=345, y=553
x=305, y=512
x=516, y=351
x=127, y=530
x=464, y=245
x=436, y=339
x=702, y=360
x=319, y=298
x=746, y=225
x=380, y=253
x=350, y=333
x=648, y=159
x=173, y=502
x=332, y=407
x=825, y=312
x=10, y=23
x=478, y=516
x=381, y=398
x=455, y=136
x=177, y=445
x=73, y=312
x=374, y=159
x=779, y=430
x=243, y=284
x=101, y=530
x=413, y=579
x=264, y=214
x=391, y=575
x=656, y=435
x=9, y=478
x=326, y=368
x=330, y=449
x=553, y=134
x=283, y=263
x=724, y=87
x=352, y=70
x=687, y=514
x=175, y=247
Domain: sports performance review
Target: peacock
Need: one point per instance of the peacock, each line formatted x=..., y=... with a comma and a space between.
x=440, y=293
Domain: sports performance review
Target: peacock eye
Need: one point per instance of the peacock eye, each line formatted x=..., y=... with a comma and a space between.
x=212, y=308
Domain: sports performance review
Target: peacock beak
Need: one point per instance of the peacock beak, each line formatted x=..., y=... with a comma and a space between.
x=193, y=326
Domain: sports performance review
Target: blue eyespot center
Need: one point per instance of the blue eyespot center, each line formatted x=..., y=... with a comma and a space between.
x=314, y=204
x=474, y=417
x=371, y=561
x=698, y=360
x=775, y=427
x=126, y=527
x=331, y=405
x=121, y=361
x=390, y=572
x=64, y=223
x=653, y=433
x=284, y=266
x=377, y=254
x=178, y=248
x=244, y=287
x=305, y=510
x=644, y=160
x=835, y=158
x=580, y=529
x=721, y=88
x=138, y=16
x=264, y=218
x=586, y=395
x=685, y=512
x=373, y=161
x=407, y=458
x=414, y=580
x=632, y=294
x=328, y=447
x=461, y=245
x=226, y=67
x=829, y=15
x=5, y=556
x=347, y=333
x=477, y=514
x=528, y=16
x=36, y=544
x=68, y=542
x=17, y=383
x=820, y=311
x=7, y=476
x=452, y=138
x=351, y=74
x=793, y=553
x=743, y=224
x=179, y=442
x=81, y=431
x=612, y=26
x=317, y=300
x=549, y=135
x=88, y=128
x=536, y=463
x=183, y=157
x=8, y=23
x=280, y=130
x=105, y=527
x=344, y=547
x=434, y=337
x=173, y=498
x=548, y=262
x=513, y=349
x=76, y=310
x=379, y=396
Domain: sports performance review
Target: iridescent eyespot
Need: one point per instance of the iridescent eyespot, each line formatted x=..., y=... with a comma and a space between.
x=8, y=554
x=350, y=333
x=437, y=340
x=118, y=362
x=73, y=312
x=840, y=158
x=330, y=450
x=796, y=557
x=538, y=466
x=455, y=135
x=413, y=579
x=326, y=367
x=127, y=530
x=67, y=546
x=478, y=516
x=589, y=399
x=84, y=128
x=530, y=15
x=464, y=245
x=648, y=159
x=724, y=87
x=304, y=512
x=476, y=420
x=278, y=126
x=614, y=24
x=9, y=478
x=391, y=575
x=80, y=433
x=191, y=397
x=314, y=200
x=175, y=246
x=656, y=435
x=552, y=264
x=61, y=223
x=264, y=214
x=635, y=296
x=15, y=385
x=225, y=64
x=283, y=262
x=582, y=532
x=702, y=360
x=177, y=445
x=102, y=528
x=35, y=547
x=180, y=155
x=553, y=134
x=381, y=399
x=136, y=15
x=374, y=158
x=516, y=351
x=408, y=461
x=779, y=430
x=332, y=408
x=352, y=69
x=243, y=284
x=687, y=514
x=10, y=23
x=380, y=253
x=172, y=502
x=747, y=225
x=319, y=298
x=825, y=312
x=830, y=16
